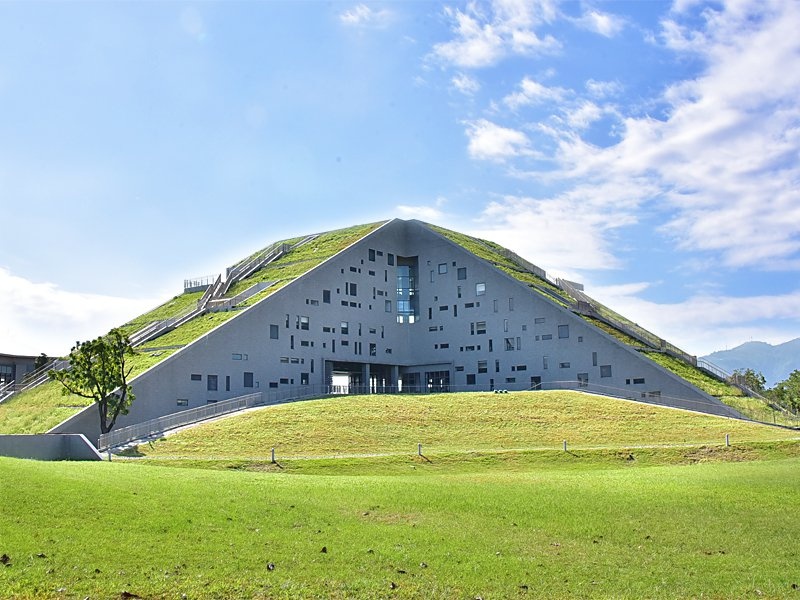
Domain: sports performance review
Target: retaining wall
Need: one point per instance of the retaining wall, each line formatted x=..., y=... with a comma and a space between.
x=49, y=446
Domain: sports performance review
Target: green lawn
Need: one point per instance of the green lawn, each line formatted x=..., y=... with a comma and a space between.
x=453, y=423
x=77, y=530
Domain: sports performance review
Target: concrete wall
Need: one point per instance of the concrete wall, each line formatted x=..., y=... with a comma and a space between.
x=48, y=447
x=500, y=334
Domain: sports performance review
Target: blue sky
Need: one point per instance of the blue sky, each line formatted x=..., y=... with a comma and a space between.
x=650, y=150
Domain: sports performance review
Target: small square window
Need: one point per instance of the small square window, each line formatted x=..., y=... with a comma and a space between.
x=183, y=402
x=605, y=370
x=462, y=272
x=442, y=268
x=480, y=289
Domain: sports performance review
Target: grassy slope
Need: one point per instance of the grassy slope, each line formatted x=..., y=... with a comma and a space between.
x=659, y=532
x=451, y=423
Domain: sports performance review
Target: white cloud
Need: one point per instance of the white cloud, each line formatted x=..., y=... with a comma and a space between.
x=362, y=15
x=465, y=84
x=488, y=141
x=532, y=92
x=704, y=323
x=603, y=89
x=482, y=40
x=41, y=317
x=723, y=162
x=421, y=212
x=605, y=24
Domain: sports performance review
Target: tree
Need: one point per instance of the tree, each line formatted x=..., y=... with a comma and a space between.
x=40, y=361
x=749, y=378
x=98, y=371
x=787, y=392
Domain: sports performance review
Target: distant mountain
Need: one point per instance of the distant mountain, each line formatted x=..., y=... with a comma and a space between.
x=774, y=362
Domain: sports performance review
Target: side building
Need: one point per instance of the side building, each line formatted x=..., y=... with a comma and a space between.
x=403, y=308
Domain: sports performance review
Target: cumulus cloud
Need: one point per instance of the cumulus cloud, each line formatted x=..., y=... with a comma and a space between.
x=362, y=15
x=723, y=162
x=489, y=141
x=605, y=24
x=532, y=92
x=705, y=322
x=506, y=27
x=465, y=84
x=422, y=212
x=41, y=317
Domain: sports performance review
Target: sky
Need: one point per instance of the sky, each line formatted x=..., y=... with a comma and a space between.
x=650, y=150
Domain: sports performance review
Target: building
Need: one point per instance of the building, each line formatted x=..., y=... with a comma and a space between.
x=407, y=307
x=14, y=367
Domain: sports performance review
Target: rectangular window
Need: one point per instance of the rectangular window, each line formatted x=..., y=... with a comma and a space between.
x=211, y=383
x=387, y=306
x=505, y=325
x=470, y=379
x=539, y=320
x=183, y=402
x=285, y=380
x=583, y=380
x=304, y=323
x=373, y=350
x=491, y=346
x=344, y=327
x=227, y=383
x=372, y=255
x=547, y=336
x=509, y=344
x=563, y=365
x=522, y=367
x=545, y=362
x=443, y=308
x=273, y=384
x=469, y=305
x=511, y=379
x=483, y=367
x=326, y=296
x=458, y=290
x=605, y=370
x=494, y=305
x=351, y=289
x=196, y=377
x=594, y=359
x=442, y=268
x=519, y=343
x=511, y=304
x=390, y=259
x=248, y=379
x=638, y=380
x=497, y=366
x=462, y=272
x=563, y=332
x=273, y=332
x=236, y=356
x=480, y=328
x=480, y=289
x=304, y=378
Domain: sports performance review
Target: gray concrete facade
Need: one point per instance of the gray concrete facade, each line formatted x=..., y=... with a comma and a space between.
x=461, y=324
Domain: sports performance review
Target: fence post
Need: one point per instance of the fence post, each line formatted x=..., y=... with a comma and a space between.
x=273, y=456
x=727, y=439
x=419, y=449
x=565, y=445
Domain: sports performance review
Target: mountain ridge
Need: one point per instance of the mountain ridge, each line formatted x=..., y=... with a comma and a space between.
x=775, y=362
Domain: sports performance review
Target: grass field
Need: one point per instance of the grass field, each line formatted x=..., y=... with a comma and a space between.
x=647, y=503
x=719, y=530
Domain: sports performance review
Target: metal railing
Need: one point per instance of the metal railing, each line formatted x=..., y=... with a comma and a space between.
x=178, y=419
x=198, y=282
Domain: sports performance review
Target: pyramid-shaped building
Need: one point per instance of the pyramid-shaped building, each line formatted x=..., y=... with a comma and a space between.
x=406, y=307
